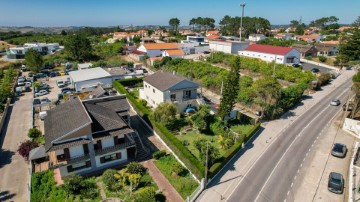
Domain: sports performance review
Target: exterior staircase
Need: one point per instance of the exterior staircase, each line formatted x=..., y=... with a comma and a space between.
x=142, y=152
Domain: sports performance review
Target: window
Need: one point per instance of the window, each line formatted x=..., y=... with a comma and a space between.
x=111, y=157
x=173, y=97
x=187, y=93
x=153, y=90
x=79, y=166
x=145, y=86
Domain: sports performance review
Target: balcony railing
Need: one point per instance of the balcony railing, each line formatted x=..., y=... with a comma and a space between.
x=114, y=148
x=78, y=158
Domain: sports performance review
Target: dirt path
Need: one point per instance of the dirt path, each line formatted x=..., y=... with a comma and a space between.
x=102, y=189
x=163, y=184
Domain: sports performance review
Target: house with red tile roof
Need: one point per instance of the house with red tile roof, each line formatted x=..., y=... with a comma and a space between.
x=177, y=53
x=212, y=32
x=156, y=49
x=281, y=55
x=310, y=38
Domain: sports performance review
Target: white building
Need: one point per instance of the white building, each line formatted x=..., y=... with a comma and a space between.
x=284, y=36
x=191, y=47
x=156, y=49
x=163, y=87
x=282, y=55
x=90, y=78
x=227, y=46
x=256, y=37
x=43, y=48
x=83, y=66
x=197, y=38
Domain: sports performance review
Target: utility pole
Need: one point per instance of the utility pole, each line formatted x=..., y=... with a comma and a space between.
x=242, y=15
x=206, y=163
x=222, y=86
x=274, y=67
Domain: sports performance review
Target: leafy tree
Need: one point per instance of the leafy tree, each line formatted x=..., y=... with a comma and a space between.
x=165, y=113
x=122, y=177
x=78, y=47
x=202, y=118
x=34, y=133
x=73, y=184
x=25, y=148
x=231, y=25
x=300, y=29
x=294, y=23
x=135, y=168
x=193, y=23
x=178, y=169
x=202, y=145
x=146, y=194
x=174, y=22
x=33, y=60
x=134, y=180
x=109, y=180
x=356, y=23
x=322, y=58
x=63, y=32
x=351, y=49
x=231, y=88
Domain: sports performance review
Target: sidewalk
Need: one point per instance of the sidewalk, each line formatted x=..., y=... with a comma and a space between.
x=228, y=181
x=164, y=185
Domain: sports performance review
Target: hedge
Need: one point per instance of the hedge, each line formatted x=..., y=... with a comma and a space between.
x=191, y=162
x=221, y=161
x=130, y=82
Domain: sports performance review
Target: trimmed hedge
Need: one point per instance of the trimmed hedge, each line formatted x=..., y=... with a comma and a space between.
x=221, y=161
x=191, y=162
x=130, y=82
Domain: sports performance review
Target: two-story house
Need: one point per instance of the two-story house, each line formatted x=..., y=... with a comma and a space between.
x=164, y=86
x=82, y=137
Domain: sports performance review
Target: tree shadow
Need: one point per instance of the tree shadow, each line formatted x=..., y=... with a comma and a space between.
x=5, y=195
x=5, y=157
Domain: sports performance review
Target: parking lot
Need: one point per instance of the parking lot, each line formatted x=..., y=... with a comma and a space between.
x=308, y=66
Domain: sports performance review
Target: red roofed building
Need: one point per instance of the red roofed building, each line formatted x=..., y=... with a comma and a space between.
x=282, y=55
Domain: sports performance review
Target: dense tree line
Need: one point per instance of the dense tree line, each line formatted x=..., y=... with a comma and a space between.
x=230, y=25
x=202, y=23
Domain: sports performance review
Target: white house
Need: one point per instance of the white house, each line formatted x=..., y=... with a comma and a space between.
x=90, y=78
x=197, y=38
x=284, y=36
x=173, y=53
x=191, y=47
x=156, y=49
x=163, y=87
x=281, y=55
x=310, y=38
x=227, y=46
x=256, y=37
x=18, y=52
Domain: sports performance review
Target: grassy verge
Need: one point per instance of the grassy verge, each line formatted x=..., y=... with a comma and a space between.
x=184, y=185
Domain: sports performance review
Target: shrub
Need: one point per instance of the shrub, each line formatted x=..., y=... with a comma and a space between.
x=25, y=148
x=130, y=82
x=323, y=78
x=178, y=169
x=135, y=168
x=308, y=57
x=109, y=180
x=146, y=194
x=159, y=154
x=143, y=102
x=322, y=58
x=34, y=133
x=73, y=184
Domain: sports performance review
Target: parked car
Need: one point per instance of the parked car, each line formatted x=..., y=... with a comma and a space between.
x=21, y=82
x=62, y=73
x=67, y=89
x=36, y=101
x=339, y=150
x=23, y=68
x=60, y=84
x=42, y=115
x=41, y=92
x=30, y=74
x=52, y=74
x=295, y=65
x=40, y=75
x=315, y=70
x=335, y=102
x=27, y=89
x=44, y=100
x=18, y=91
x=336, y=183
x=28, y=79
x=27, y=84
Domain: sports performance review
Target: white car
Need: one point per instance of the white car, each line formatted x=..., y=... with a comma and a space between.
x=27, y=84
x=44, y=100
x=41, y=92
x=60, y=84
x=335, y=102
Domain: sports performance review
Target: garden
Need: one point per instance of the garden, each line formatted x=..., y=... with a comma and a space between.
x=128, y=184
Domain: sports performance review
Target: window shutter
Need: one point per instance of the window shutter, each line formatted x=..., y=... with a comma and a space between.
x=69, y=169
x=116, y=142
x=67, y=153
x=99, y=144
x=102, y=159
x=86, y=148
x=118, y=155
x=88, y=164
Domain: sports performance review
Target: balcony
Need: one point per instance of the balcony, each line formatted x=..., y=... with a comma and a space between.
x=114, y=148
x=64, y=161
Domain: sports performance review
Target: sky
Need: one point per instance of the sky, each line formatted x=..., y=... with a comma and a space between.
x=50, y=13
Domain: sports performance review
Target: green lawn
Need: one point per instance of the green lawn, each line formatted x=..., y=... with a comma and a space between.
x=184, y=185
x=191, y=136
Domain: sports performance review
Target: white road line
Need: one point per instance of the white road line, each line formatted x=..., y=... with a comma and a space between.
x=292, y=184
x=301, y=164
x=290, y=146
x=295, y=178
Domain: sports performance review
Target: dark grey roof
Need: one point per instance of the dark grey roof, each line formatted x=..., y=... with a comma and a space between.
x=96, y=93
x=69, y=144
x=104, y=119
x=115, y=103
x=37, y=153
x=163, y=80
x=64, y=119
x=302, y=48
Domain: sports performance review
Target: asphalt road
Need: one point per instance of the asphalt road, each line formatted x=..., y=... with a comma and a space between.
x=272, y=175
x=308, y=66
x=14, y=173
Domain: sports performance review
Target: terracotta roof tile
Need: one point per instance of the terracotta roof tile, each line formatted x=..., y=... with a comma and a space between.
x=163, y=46
x=278, y=50
x=175, y=52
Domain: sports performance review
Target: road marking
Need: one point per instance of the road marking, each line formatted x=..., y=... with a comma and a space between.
x=279, y=134
x=288, y=193
x=295, y=178
x=292, y=184
x=290, y=146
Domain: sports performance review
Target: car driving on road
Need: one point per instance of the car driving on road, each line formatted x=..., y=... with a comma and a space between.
x=335, y=102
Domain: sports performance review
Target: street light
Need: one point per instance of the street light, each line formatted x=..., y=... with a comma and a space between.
x=242, y=15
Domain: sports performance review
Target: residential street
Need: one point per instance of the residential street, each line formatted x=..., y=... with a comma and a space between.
x=266, y=169
x=14, y=173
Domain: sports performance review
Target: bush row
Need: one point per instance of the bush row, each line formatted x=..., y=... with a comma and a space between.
x=131, y=82
x=221, y=161
x=191, y=162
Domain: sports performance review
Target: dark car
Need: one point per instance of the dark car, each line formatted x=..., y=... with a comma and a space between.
x=67, y=89
x=315, y=70
x=40, y=75
x=30, y=74
x=295, y=65
x=339, y=150
x=336, y=183
x=36, y=101
x=52, y=74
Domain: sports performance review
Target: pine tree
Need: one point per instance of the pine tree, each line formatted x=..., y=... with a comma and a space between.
x=231, y=89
